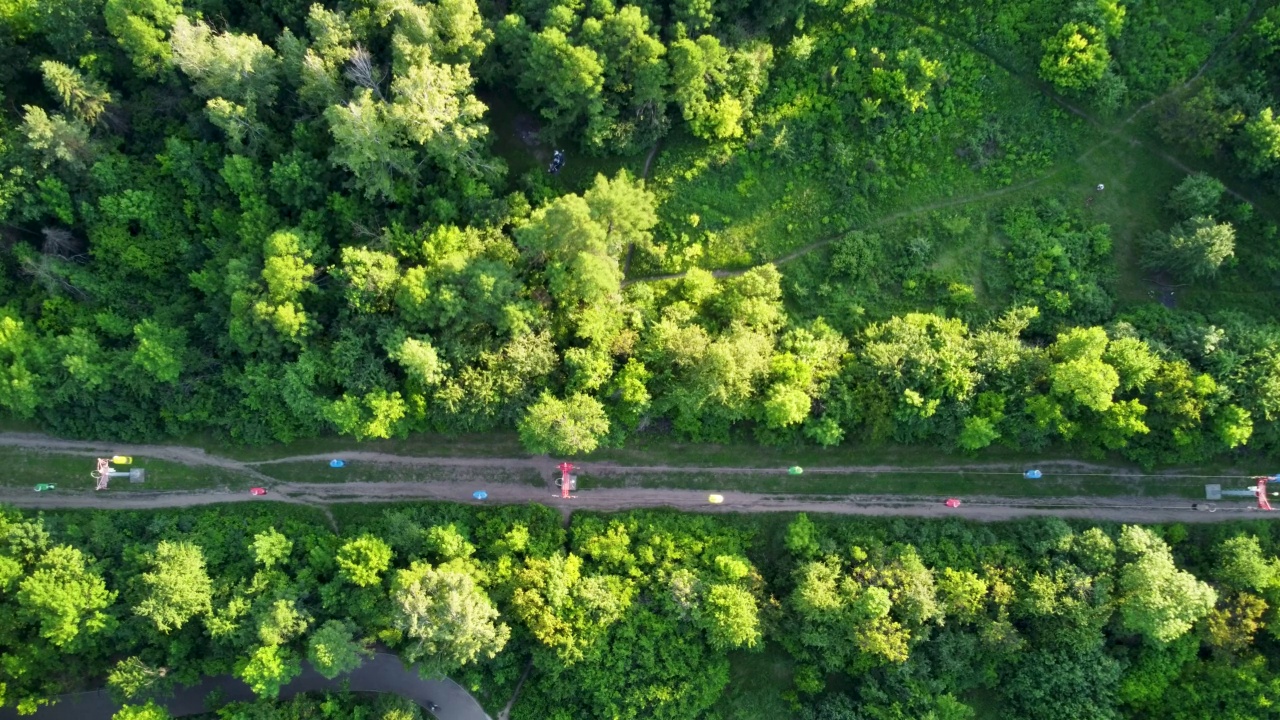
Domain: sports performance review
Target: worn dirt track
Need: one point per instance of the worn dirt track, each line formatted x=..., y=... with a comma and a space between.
x=602, y=499
x=613, y=499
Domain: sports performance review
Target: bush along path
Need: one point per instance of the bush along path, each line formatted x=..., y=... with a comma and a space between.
x=382, y=673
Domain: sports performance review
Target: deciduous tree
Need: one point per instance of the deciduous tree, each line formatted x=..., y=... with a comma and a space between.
x=1260, y=143
x=962, y=592
x=271, y=548
x=237, y=67
x=1156, y=599
x=140, y=27
x=1197, y=195
x=570, y=426
x=564, y=79
x=1079, y=374
x=625, y=209
x=1191, y=250
x=333, y=650
x=1232, y=627
x=1075, y=58
x=367, y=143
x=84, y=97
x=371, y=278
x=267, y=669
x=176, y=588
x=730, y=616
x=565, y=610
x=361, y=561
x=160, y=351
x=150, y=711
x=65, y=598
x=1242, y=565
x=634, y=83
x=447, y=620
x=132, y=679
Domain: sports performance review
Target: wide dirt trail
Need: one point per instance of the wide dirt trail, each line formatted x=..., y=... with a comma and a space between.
x=613, y=499
x=322, y=495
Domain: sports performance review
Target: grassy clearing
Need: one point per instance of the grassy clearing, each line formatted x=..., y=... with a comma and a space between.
x=497, y=444
x=757, y=681
x=730, y=209
x=26, y=468
x=726, y=207
x=1029, y=142
x=376, y=472
x=1248, y=282
x=1132, y=204
x=970, y=248
x=909, y=483
x=722, y=209
x=664, y=450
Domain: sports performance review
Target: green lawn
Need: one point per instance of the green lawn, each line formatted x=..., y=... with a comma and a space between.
x=25, y=468
x=313, y=471
x=496, y=444
x=661, y=450
x=1010, y=484
x=722, y=209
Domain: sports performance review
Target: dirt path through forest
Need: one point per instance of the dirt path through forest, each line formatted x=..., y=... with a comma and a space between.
x=648, y=160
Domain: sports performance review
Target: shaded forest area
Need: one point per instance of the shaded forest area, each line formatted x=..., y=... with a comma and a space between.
x=270, y=221
x=645, y=614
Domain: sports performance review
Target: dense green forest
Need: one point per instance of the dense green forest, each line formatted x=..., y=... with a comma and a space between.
x=267, y=221
x=645, y=614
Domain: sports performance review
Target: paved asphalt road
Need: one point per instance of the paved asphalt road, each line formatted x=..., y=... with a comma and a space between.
x=381, y=673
